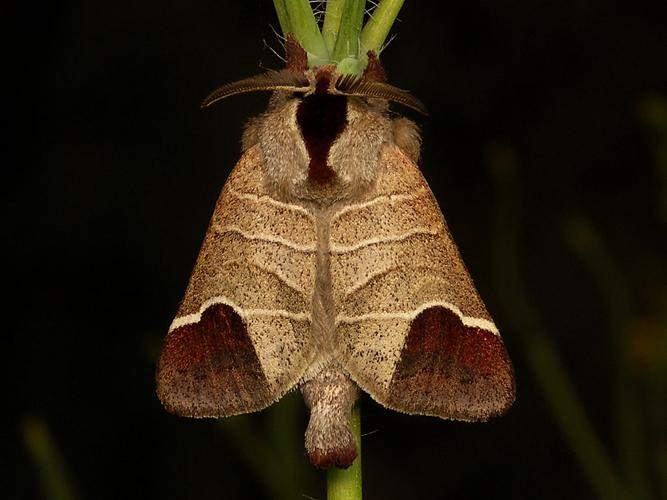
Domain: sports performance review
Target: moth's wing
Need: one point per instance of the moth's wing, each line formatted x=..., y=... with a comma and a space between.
x=241, y=337
x=412, y=330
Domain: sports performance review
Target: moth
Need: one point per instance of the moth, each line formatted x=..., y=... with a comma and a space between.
x=328, y=266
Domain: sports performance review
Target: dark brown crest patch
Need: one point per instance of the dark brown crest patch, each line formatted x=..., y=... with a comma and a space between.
x=210, y=368
x=452, y=370
x=374, y=70
x=321, y=117
x=297, y=58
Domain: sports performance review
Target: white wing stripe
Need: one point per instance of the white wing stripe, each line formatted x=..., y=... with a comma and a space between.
x=270, y=201
x=244, y=313
x=264, y=237
x=337, y=248
x=391, y=198
x=470, y=321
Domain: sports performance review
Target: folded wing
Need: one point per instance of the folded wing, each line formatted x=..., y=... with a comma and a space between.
x=411, y=329
x=241, y=337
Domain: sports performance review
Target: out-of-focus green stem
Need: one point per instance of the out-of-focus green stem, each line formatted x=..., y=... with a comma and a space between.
x=653, y=111
x=345, y=484
x=331, y=24
x=275, y=456
x=50, y=466
x=377, y=28
x=284, y=429
x=541, y=353
x=584, y=241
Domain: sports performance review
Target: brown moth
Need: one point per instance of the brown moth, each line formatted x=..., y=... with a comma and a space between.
x=328, y=266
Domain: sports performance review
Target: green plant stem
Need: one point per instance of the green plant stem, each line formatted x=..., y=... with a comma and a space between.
x=541, y=353
x=345, y=484
x=377, y=28
x=303, y=26
x=342, y=39
x=283, y=18
x=346, y=52
x=331, y=24
x=347, y=42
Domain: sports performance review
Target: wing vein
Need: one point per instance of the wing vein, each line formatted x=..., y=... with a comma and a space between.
x=244, y=313
x=470, y=321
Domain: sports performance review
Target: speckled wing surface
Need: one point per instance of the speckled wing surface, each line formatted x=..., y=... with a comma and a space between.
x=411, y=329
x=241, y=337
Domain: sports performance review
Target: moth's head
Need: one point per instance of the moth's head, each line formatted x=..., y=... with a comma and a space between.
x=297, y=80
x=321, y=81
x=322, y=133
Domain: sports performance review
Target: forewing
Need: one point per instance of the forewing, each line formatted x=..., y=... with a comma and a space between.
x=411, y=329
x=241, y=337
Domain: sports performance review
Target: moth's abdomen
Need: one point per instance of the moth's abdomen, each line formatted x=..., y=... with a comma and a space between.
x=330, y=396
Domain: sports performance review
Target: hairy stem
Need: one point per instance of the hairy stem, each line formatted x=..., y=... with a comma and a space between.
x=304, y=27
x=377, y=28
x=342, y=39
x=283, y=18
x=347, y=42
x=331, y=25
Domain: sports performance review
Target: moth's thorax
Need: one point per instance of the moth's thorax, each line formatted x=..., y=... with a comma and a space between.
x=321, y=147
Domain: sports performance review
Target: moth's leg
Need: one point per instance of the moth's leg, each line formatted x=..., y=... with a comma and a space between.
x=330, y=395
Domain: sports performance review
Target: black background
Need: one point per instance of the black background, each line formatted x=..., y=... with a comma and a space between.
x=112, y=173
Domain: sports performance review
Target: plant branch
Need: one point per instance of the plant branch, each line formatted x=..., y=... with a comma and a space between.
x=303, y=26
x=283, y=18
x=377, y=28
x=331, y=25
x=347, y=42
x=345, y=484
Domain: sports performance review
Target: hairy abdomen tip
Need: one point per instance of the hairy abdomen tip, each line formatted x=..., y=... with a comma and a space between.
x=330, y=445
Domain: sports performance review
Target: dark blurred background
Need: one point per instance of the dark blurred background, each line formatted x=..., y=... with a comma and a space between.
x=546, y=148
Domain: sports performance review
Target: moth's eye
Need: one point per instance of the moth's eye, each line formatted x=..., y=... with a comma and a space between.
x=296, y=95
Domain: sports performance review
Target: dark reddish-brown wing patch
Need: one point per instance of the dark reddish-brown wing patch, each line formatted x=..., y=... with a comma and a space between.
x=452, y=370
x=210, y=368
